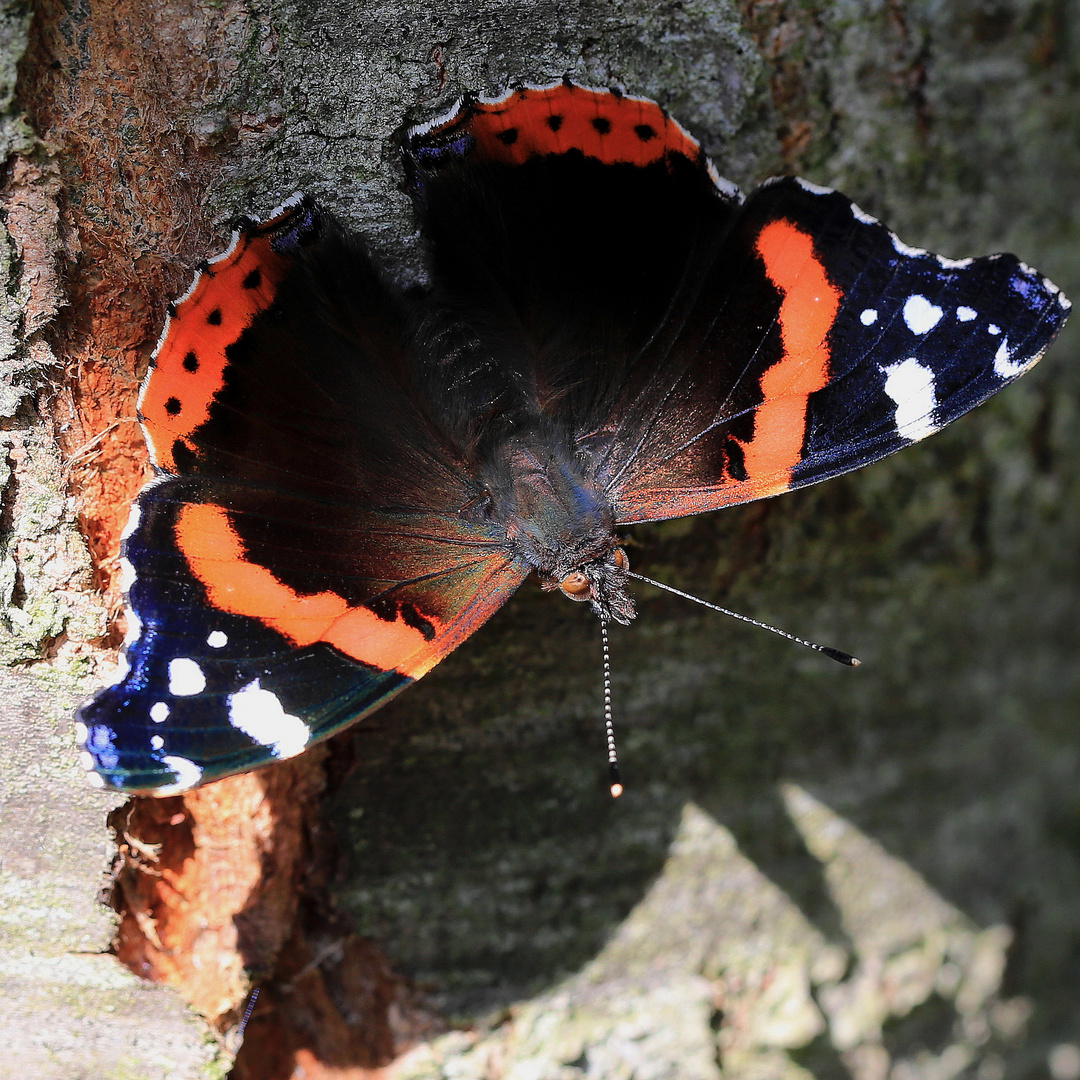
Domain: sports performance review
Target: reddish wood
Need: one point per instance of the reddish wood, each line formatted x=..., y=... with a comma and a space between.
x=211, y=885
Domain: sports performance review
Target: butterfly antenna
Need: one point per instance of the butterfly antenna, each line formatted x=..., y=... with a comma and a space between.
x=247, y=1013
x=834, y=654
x=609, y=724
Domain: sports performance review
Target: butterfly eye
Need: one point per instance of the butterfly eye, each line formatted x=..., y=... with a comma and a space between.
x=618, y=557
x=576, y=586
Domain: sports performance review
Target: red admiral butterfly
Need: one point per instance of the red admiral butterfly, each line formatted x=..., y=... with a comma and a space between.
x=353, y=477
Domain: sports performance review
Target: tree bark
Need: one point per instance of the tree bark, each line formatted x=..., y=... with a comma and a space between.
x=842, y=874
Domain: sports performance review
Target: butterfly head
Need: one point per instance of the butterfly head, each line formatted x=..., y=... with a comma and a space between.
x=601, y=582
x=559, y=521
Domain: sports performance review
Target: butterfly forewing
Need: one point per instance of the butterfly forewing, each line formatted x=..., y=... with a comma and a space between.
x=871, y=345
x=230, y=667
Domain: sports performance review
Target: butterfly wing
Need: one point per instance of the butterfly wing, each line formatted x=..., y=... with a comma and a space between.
x=571, y=227
x=706, y=351
x=823, y=343
x=303, y=554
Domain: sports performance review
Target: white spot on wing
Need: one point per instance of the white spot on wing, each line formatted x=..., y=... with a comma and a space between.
x=911, y=386
x=86, y=761
x=868, y=317
x=185, y=677
x=814, y=189
x=188, y=774
x=132, y=522
x=156, y=742
x=966, y=314
x=905, y=249
x=81, y=731
x=953, y=264
x=217, y=639
x=94, y=780
x=258, y=713
x=920, y=315
x=1064, y=301
x=994, y=329
x=127, y=575
x=861, y=215
x=1004, y=366
x=159, y=712
x=134, y=626
x=122, y=668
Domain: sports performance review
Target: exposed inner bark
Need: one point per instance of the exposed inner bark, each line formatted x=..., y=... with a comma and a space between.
x=210, y=885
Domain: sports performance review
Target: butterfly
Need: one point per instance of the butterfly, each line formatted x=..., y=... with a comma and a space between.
x=351, y=477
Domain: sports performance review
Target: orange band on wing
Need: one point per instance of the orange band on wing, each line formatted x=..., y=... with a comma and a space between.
x=216, y=556
x=806, y=315
x=189, y=365
x=597, y=123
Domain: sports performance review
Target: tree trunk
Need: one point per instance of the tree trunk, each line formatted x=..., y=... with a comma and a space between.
x=843, y=874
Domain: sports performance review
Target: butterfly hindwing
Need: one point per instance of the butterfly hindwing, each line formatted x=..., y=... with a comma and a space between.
x=576, y=248
x=189, y=364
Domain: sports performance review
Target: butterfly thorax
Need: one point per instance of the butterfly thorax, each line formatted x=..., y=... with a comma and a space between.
x=559, y=521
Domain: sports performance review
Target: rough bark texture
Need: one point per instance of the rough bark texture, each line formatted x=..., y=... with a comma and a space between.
x=816, y=872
